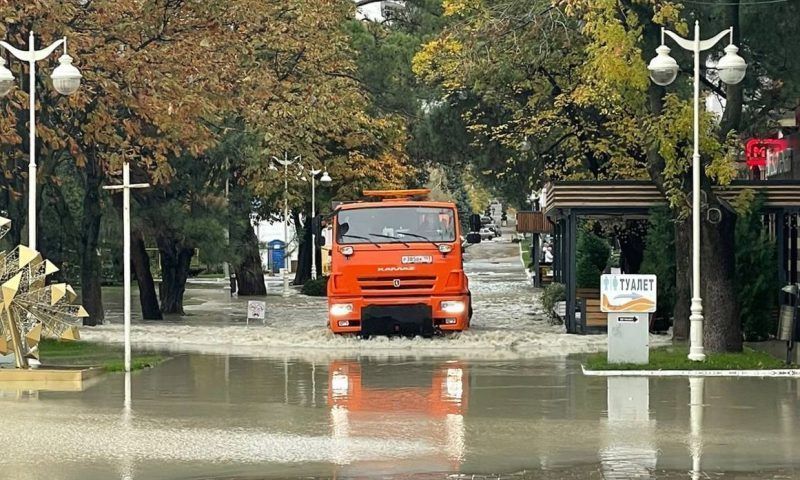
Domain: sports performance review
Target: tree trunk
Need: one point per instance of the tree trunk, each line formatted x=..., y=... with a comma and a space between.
x=683, y=279
x=140, y=261
x=303, y=273
x=175, y=262
x=722, y=330
x=249, y=272
x=631, y=249
x=91, y=294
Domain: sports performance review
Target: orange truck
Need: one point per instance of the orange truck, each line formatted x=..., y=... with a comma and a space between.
x=428, y=405
x=397, y=266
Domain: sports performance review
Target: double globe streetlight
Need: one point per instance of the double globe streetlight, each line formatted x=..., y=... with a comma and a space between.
x=66, y=80
x=663, y=70
x=285, y=162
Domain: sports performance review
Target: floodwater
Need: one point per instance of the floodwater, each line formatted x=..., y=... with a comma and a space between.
x=507, y=322
x=204, y=416
x=286, y=399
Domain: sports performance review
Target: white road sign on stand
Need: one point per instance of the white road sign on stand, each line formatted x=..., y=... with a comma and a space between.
x=628, y=300
x=256, y=310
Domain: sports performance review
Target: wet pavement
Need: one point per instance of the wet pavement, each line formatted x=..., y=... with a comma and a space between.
x=507, y=322
x=203, y=416
x=289, y=400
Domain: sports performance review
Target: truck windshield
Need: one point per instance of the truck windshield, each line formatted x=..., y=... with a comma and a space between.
x=395, y=225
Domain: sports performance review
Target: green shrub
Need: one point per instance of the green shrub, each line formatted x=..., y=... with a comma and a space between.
x=316, y=288
x=551, y=294
x=614, y=260
x=659, y=258
x=591, y=259
x=756, y=276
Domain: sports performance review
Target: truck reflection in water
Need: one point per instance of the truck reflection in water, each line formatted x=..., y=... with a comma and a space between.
x=388, y=402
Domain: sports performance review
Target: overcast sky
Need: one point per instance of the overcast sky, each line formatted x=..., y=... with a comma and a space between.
x=372, y=11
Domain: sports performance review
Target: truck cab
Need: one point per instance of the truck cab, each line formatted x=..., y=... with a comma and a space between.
x=397, y=267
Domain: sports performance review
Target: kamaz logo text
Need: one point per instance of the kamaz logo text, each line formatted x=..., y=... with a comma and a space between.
x=395, y=269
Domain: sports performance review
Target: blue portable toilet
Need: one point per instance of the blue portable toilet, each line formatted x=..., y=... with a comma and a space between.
x=276, y=253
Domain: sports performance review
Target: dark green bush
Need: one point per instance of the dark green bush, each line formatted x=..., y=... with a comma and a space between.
x=659, y=258
x=756, y=276
x=316, y=288
x=591, y=259
x=551, y=294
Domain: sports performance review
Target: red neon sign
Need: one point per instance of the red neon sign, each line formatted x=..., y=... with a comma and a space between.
x=756, y=149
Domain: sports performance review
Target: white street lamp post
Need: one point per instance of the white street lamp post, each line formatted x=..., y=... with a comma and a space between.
x=66, y=80
x=126, y=251
x=286, y=260
x=324, y=179
x=663, y=70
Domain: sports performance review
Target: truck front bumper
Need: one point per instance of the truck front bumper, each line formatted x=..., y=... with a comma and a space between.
x=399, y=316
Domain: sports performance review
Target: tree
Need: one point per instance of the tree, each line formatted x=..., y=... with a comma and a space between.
x=152, y=80
x=581, y=99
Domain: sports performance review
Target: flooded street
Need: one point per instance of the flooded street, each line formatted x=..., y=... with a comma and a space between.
x=202, y=416
x=506, y=323
x=287, y=399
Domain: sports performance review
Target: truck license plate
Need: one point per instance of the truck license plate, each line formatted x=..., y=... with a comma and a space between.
x=417, y=259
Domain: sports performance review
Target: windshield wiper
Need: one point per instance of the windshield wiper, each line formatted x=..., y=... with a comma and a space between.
x=389, y=237
x=359, y=237
x=422, y=237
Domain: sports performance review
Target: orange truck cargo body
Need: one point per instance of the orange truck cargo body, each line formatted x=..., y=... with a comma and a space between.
x=397, y=268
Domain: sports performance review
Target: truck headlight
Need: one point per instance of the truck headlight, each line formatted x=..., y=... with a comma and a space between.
x=454, y=384
x=444, y=248
x=339, y=384
x=453, y=306
x=339, y=309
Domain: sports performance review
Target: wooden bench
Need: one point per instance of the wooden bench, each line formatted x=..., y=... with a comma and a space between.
x=594, y=317
x=546, y=274
x=591, y=315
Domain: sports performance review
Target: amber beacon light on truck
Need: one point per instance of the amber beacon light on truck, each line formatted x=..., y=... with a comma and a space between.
x=397, y=266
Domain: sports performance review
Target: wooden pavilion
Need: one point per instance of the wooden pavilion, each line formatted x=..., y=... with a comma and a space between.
x=566, y=202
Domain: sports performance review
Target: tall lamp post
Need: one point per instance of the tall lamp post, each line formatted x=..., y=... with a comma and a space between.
x=286, y=260
x=325, y=178
x=66, y=80
x=663, y=70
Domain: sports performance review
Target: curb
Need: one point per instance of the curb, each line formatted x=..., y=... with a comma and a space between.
x=781, y=373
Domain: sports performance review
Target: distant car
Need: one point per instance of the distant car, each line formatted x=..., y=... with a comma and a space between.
x=486, y=219
x=487, y=233
x=493, y=227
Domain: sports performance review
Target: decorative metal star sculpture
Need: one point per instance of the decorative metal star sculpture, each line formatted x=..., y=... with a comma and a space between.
x=31, y=309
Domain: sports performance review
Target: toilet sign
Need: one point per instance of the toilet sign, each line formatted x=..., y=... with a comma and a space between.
x=628, y=300
x=622, y=293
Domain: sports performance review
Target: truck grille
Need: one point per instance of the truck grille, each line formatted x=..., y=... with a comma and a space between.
x=385, y=284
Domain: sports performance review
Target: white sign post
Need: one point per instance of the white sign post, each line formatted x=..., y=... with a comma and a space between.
x=256, y=310
x=126, y=252
x=628, y=300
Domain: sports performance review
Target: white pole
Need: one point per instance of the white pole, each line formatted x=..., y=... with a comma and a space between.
x=696, y=423
x=313, y=234
x=696, y=317
x=225, y=267
x=286, y=259
x=32, y=152
x=126, y=257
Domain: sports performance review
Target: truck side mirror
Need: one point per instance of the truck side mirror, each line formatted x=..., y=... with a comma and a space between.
x=475, y=224
x=473, y=237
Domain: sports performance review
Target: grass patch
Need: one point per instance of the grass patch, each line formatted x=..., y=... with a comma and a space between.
x=674, y=358
x=109, y=357
x=525, y=247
